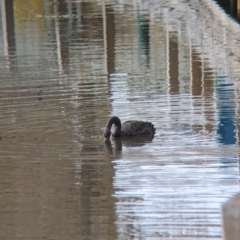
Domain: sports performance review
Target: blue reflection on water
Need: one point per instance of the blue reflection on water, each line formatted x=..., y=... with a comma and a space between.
x=226, y=126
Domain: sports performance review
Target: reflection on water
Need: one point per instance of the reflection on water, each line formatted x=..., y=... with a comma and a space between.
x=226, y=106
x=118, y=143
x=66, y=67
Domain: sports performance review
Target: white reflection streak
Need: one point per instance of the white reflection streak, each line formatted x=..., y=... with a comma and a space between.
x=58, y=41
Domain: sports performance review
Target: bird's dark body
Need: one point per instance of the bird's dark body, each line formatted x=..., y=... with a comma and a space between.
x=128, y=128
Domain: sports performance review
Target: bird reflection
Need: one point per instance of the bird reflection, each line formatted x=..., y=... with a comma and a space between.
x=116, y=144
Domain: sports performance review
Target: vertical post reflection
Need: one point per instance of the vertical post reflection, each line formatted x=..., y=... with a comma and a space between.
x=173, y=66
x=196, y=84
x=202, y=90
x=109, y=38
x=226, y=109
x=144, y=38
x=8, y=27
x=232, y=7
x=196, y=75
x=208, y=96
x=110, y=29
x=238, y=9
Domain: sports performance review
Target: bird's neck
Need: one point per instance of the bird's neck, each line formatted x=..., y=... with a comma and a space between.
x=117, y=125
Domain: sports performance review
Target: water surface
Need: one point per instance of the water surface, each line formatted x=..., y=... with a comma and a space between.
x=65, y=69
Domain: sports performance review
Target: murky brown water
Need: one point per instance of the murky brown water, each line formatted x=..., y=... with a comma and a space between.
x=65, y=68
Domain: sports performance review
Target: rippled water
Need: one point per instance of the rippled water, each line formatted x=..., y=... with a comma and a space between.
x=66, y=68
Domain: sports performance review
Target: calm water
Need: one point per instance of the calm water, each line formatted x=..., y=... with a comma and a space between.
x=65, y=68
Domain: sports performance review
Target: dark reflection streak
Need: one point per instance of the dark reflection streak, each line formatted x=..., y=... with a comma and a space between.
x=226, y=126
x=196, y=74
x=196, y=83
x=117, y=146
x=144, y=37
x=231, y=7
x=198, y=90
x=202, y=85
x=110, y=39
x=238, y=9
x=9, y=31
x=85, y=201
x=173, y=66
x=115, y=149
x=136, y=141
x=208, y=95
x=7, y=8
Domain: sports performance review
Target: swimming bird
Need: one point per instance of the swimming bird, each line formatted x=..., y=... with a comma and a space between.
x=128, y=128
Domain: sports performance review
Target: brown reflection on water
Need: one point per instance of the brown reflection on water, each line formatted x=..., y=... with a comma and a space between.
x=202, y=88
x=201, y=80
x=197, y=75
x=173, y=66
x=208, y=96
x=51, y=184
x=57, y=180
x=55, y=198
x=109, y=38
x=97, y=204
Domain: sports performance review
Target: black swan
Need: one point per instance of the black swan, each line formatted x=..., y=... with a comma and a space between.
x=128, y=128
